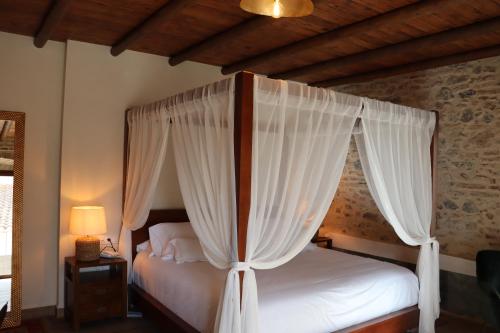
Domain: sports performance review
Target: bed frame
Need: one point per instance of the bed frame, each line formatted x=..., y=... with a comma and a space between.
x=397, y=322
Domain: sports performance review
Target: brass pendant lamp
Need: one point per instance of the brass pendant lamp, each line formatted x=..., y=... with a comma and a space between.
x=278, y=8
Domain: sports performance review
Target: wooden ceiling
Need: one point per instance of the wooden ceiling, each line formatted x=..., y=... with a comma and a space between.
x=343, y=41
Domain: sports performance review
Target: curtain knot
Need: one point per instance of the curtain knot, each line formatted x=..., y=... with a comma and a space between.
x=432, y=240
x=240, y=266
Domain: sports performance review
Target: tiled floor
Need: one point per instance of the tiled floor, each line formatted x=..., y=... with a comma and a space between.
x=446, y=324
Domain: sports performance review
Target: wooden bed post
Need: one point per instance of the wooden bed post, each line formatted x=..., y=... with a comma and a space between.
x=434, y=173
x=243, y=125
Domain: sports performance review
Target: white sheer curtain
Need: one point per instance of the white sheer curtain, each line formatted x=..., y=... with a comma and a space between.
x=394, y=148
x=147, y=136
x=300, y=142
x=204, y=153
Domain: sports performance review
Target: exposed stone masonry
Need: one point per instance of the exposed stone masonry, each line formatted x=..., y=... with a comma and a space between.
x=467, y=97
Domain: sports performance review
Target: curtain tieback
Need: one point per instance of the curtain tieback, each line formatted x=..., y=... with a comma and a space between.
x=433, y=241
x=240, y=266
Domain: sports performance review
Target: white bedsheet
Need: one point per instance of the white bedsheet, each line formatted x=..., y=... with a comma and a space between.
x=318, y=291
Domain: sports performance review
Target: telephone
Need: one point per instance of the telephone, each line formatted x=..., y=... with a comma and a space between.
x=109, y=251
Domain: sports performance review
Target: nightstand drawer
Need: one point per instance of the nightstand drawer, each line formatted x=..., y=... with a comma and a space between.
x=99, y=294
x=89, y=312
x=104, y=288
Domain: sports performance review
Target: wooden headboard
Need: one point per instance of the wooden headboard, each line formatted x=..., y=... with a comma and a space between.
x=156, y=216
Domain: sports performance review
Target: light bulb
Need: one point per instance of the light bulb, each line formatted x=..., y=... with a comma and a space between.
x=276, y=9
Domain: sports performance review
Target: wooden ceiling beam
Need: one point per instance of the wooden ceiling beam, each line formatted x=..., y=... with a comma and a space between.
x=411, y=67
x=221, y=38
x=54, y=16
x=395, y=16
x=167, y=12
x=418, y=46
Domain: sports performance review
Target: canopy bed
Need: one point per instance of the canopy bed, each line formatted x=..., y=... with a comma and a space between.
x=258, y=163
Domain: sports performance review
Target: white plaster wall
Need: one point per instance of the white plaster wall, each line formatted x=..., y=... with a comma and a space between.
x=168, y=194
x=98, y=90
x=31, y=81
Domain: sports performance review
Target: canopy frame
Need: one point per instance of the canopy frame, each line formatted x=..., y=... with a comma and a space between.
x=243, y=129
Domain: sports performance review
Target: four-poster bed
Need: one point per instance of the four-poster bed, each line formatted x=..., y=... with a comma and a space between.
x=310, y=125
x=398, y=321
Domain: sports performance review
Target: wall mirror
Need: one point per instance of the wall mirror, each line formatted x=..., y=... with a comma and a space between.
x=11, y=214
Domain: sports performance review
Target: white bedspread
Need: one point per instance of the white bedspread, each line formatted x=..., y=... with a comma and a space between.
x=318, y=291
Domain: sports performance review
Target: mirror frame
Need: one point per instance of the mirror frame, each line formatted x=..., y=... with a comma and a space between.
x=13, y=317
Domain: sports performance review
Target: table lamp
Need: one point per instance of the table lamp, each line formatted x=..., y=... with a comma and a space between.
x=87, y=221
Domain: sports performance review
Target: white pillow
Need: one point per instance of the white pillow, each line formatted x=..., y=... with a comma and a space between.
x=185, y=250
x=144, y=246
x=161, y=233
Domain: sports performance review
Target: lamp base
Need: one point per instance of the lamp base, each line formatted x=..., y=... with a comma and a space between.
x=87, y=248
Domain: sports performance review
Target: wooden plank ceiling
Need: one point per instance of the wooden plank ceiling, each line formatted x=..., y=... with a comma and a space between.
x=343, y=41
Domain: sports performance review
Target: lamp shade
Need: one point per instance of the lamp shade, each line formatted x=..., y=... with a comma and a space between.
x=87, y=220
x=278, y=8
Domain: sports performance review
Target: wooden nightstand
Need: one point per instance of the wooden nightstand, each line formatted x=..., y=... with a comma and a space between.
x=94, y=295
x=328, y=241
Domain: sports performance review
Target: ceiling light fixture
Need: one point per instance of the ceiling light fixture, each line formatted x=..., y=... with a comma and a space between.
x=278, y=8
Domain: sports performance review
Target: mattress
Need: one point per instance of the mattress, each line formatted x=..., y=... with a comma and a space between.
x=318, y=291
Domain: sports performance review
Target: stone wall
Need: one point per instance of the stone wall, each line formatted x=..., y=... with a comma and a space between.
x=467, y=97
